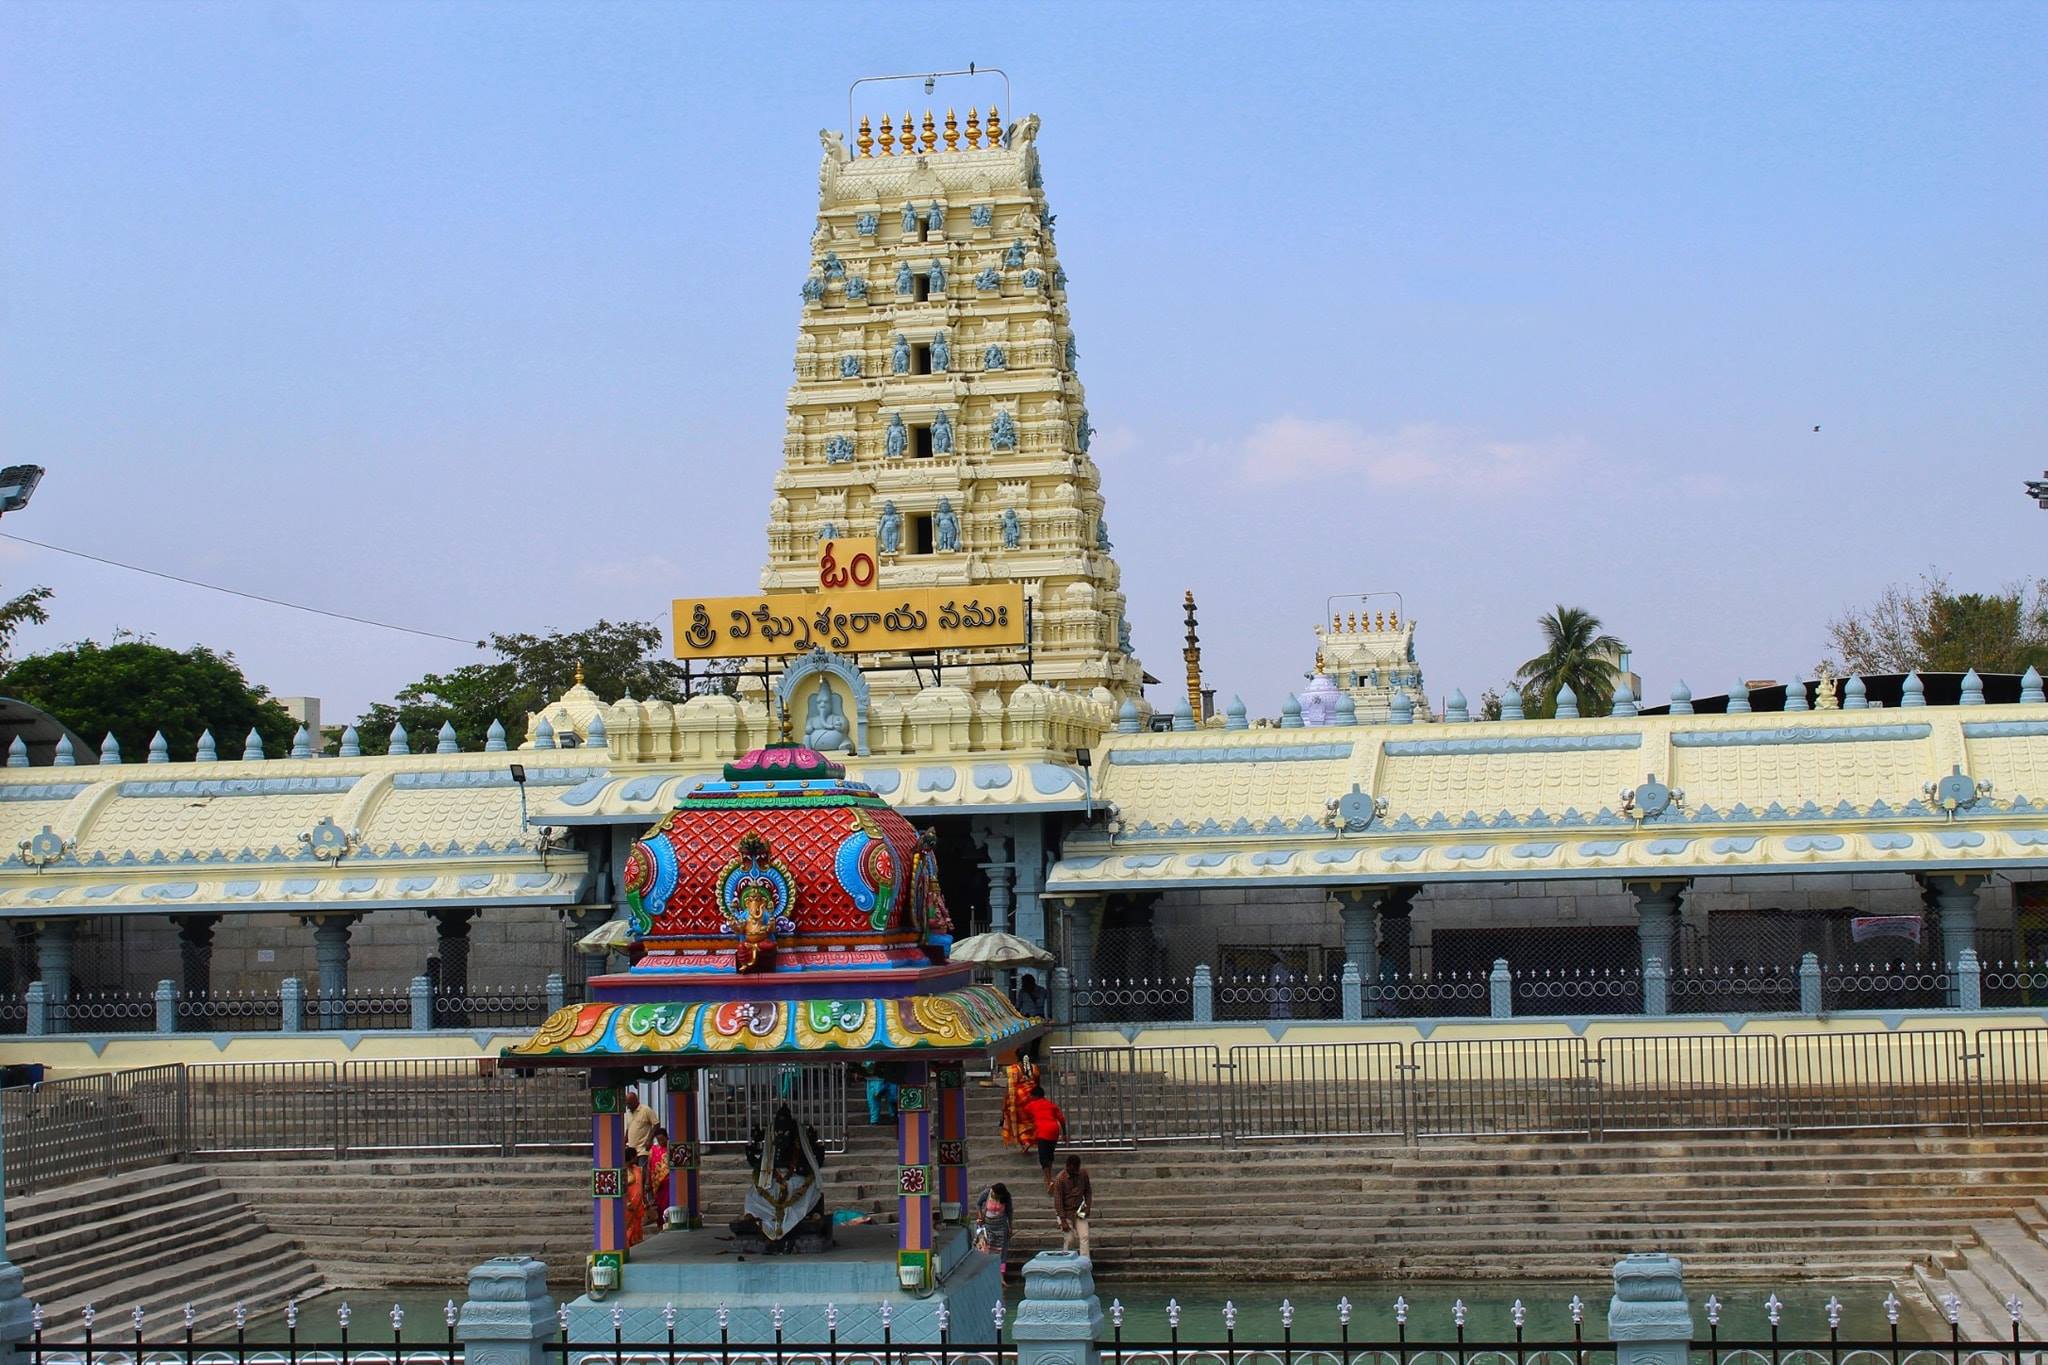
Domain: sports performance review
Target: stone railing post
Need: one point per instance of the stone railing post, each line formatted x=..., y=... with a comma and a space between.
x=1656, y=987
x=1062, y=996
x=1500, y=989
x=558, y=994
x=166, y=1007
x=1351, y=986
x=291, y=1004
x=1969, y=980
x=1809, y=985
x=1059, y=1318
x=37, y=1002
x=1203, y=995
x=1649, y=1320
x=509, y=1315
x=421, y=996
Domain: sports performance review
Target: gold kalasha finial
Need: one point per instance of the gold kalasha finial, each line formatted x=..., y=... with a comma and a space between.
x=1379, y=621
x=1337, y=621
x=866, y=140
x=952, y=132
x=909, y=134
x=994, y=123
x=1394, y=619
x=1354, y=623
x=888, y=137
x=973, y=127
x=931, y=133
x=579, y=672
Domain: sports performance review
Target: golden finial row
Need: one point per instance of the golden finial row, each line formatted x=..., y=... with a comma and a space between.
x=1382, y=622
x=926, y=139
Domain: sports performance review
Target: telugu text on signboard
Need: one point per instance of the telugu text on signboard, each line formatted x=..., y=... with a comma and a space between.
x=850, y=621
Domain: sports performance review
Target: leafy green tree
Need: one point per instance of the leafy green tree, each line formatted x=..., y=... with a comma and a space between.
x=25, y=609
x=134, y=688
x=1929, y=627
x=1575, y=653
x=531, y=670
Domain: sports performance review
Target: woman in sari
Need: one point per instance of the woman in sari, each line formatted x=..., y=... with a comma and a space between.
x=657, y=1176
x=636, y=1200
x=1021, y=1078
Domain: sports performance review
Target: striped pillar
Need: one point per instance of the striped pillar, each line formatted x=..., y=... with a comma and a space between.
x=607, y=1168
x=914, y=1171
x=949, y=1083
x=685, y=1146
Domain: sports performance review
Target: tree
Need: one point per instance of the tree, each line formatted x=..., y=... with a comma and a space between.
x=135, y=688
x=1575, y=654
x=1929, y=627
x=529, y=672
x=23, y=610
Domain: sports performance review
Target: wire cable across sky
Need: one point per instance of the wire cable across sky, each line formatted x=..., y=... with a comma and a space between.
x=237, y=592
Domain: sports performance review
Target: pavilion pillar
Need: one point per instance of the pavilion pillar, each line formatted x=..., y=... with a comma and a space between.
x=53, y=968
x=1657, y=920
x=949, y=1087
x=1953, y=896
x=607, y=1169
x=1358, y=908
x=1079, y=917
x=195, y=953
x=685, y=1150
x=451, y=927
x=1000, y=872
x=914, y=1183
x=330, y=953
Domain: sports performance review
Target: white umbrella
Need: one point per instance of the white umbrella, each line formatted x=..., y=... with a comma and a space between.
x=999, y=950
x=614, y=935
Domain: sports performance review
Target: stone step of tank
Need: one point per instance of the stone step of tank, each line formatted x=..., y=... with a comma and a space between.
x=256, y=1270
x=1980, y=1316
x=114, y=1262
x=50, y=1218
x=55, y=1236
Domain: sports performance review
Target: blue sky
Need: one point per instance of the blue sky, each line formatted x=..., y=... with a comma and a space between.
x=479, y=317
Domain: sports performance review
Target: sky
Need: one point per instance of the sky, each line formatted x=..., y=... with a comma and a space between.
x=479, y=317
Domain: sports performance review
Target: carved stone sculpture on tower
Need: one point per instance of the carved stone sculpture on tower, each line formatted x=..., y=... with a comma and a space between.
x=1013, y=529
x=946, y=526
x=889, y=530
x=942, y=435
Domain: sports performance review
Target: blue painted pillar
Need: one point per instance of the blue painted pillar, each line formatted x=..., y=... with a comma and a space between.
x=53, y=969
x=509, y=1316
x=1954, y=896
x=1202, y=996
x=1657, y=920
x=15, y=1327
x=1500, y=990
x=1352, y=987
x=1078, y=913
x=330, y=951
x=1396, y=933
x=1358, y=908
x=166, y=1007
x=1059, y=1318
x=1810, y=982
x=1028, y=839
x=1649, y=1320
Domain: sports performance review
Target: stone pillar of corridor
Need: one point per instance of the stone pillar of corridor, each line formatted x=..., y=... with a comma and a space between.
x=330, y=952
x=53, y=968
x=195, y=953
x=1657, y=904
x=1078, y=915
x=915, y=1180
x=451, y=947
x=1953, y=896
x=1027, y=835
x=1396, y=931
x=992, y=834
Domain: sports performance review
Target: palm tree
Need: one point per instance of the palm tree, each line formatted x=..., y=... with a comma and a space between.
x=1575, y=654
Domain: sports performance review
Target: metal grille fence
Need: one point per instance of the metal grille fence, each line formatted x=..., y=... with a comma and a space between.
x=1484, y=1086
x=739, y=1099
x=1705, y=1084
x=1292, y=1090
x=1910, y=1079
x=1124, y=1096
x=2012, y=1077
x=228, y=1011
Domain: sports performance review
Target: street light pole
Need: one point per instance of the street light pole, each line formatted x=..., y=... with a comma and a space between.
x=2037, y=489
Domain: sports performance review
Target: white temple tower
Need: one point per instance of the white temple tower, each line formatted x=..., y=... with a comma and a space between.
x=936, y=404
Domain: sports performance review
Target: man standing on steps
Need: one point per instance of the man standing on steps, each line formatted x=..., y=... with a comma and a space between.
x=1048, y=1124
x=640, y=1124
x=1072, y=1197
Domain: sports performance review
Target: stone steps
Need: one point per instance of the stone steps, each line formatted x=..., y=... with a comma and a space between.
x=2002, y=1259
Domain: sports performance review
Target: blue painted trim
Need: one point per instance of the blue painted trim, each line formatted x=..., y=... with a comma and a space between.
x=2004, y=729
x=42, y=791
x=1505, y=744
x=1800, y=734
x=303, y=907
x=1243, y=753
x=495, y=777
x=245, y=786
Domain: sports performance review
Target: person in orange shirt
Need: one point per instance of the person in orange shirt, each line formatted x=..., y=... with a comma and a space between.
x=1047, y=1124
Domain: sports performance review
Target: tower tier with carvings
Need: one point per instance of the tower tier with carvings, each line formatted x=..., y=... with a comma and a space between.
x=936, y=405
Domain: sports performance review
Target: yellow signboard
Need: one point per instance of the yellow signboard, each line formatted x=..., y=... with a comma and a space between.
x=849, y=621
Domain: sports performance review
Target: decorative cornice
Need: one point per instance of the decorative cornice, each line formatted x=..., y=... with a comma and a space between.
x=244, y=786
x=1237, y=753
x=1801, y=734
x=1506, y=744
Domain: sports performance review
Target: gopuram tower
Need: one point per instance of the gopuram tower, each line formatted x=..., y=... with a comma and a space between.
x=937, y=407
